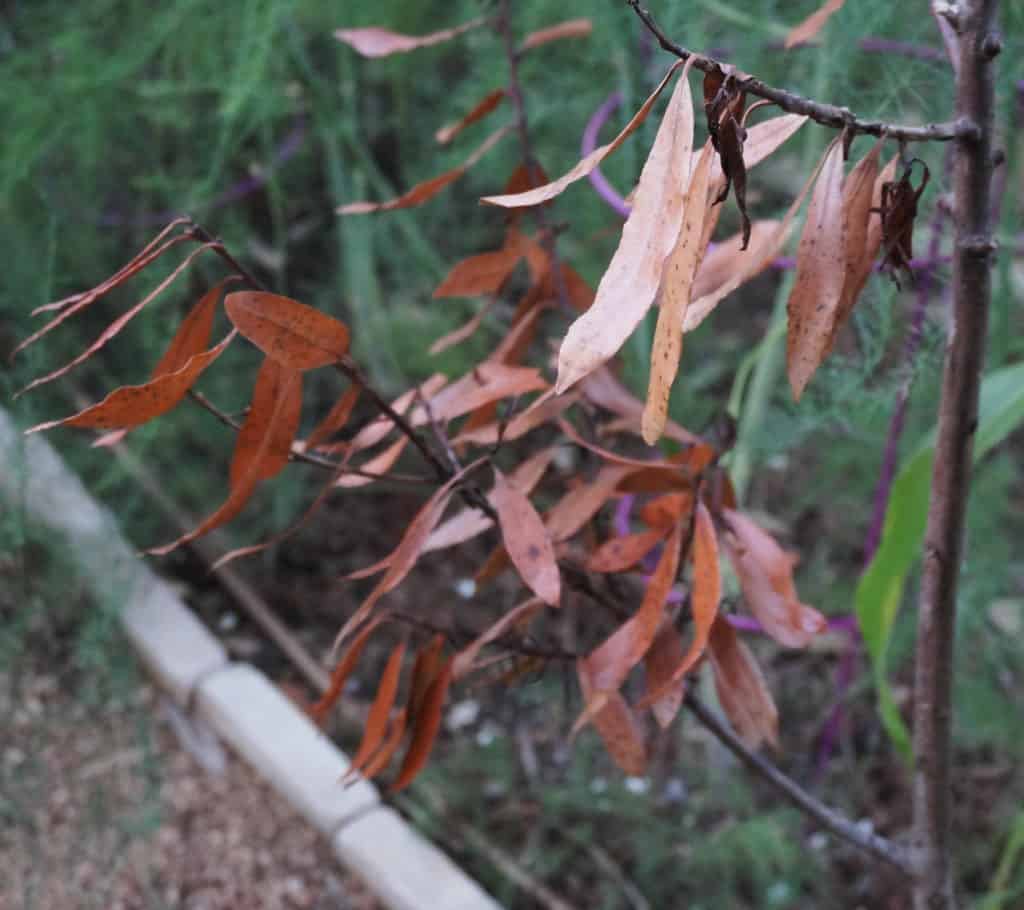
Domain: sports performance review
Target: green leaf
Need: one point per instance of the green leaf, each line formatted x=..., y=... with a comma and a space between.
x=880, y=590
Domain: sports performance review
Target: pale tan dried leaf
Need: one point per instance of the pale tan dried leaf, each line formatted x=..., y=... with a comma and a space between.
x=481, y=109
x=428, y=189
x=546, y=407
x=820, y=274
x=520, y=615
x=586, y=165
x=742, y=690
x=464, y=331
x=628, y=287
x=376, y=467
x=676, y=288
x=725, y=258
x=379, y=42
x=809, y=28
x=378, y=429
x=485, y=383
x=755, y=259
x=573, y=28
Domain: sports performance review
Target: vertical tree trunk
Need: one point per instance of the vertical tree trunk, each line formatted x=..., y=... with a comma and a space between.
x=958, y=417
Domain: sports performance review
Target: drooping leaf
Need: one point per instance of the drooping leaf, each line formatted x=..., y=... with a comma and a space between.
x=617, y=726
x=378, y=429
x=676, y=288
x=405, y=555
x=380, y=709
x=527, y=540
x=426, y=724
x=464, y=331
x=264, y=443
x=424, y=671
x=482, y=274
x=130, y=406
x=247, y=481
x=572, y=28
x=388, y=748
x=725, y=258
x=765, y=572
x=898, y=211
x=548, y=191
x=660, y=663
x=517, y=616
x=483, y=384
x=808, y=29
x=379, y=42
x=112, y=330
x=193, y=335
x=565, y=518
x=374, y=468
x=741, y=688
x=724, y=103
x=342, y=671
x=481, y=109
x=545, y=408
x=335, y=419
x=665, y=511
x=622, y=553
x=814, y=303
x=296, y=335
x=428, y=189
x=628, y=286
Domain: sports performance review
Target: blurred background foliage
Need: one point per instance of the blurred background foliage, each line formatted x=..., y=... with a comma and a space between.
x=251, y=117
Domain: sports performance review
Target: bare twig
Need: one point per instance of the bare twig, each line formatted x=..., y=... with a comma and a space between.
x=829, y=819
x=825, y=114
x=978, y=45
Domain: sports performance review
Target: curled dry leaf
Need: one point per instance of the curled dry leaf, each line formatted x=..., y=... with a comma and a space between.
x=627, y=288
x=898, y=210
x=379, y=42
x=112, y=330
x=618, y=727
x=295, y=335
x=809, y=28
x=676, y=287
x=130, y=406
x=724, y=102
x=245, y=482
x=481, y=109
x=573, y=28
x=264, y=443
x=539, y=194
x=426, y=724
x=765, y=572
x=741, y=688
x=517, y=616
x=428, y=189
x=527, y=540
x=815, y=300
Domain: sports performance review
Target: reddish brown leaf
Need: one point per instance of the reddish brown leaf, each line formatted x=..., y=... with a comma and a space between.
x=426, y=724
x=573, y=28
x=469, y=523
x=130, y=406
x=820, y=273
x=676, y=288
x=520, y=615
x=741, y=688
x=264, y=442
x=464, y=331
x=665, y=511
x=388, y=748
x=297, y=335
x=660, y=662
x=424, y=671
x=336, y=418
x=765, y=572
x=342, y=671
x=405, y=555
x=809, y=28
x=527, y=540
x=481, y=109
x=380, y=710
x=485, y=383
x=193, y=334
x=618, y=728
x=898, y=210
x=622, y=553
x=247, y=482
x=428, y=189
x=111, y=330
x=378, y=429
x=628, y=287
x=484, y=273
x=548, y=191
x=579, y=505
x=379, y=42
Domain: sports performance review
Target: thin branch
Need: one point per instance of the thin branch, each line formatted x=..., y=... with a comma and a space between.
x=830, y=819
x=825, y=114
x=978, y=45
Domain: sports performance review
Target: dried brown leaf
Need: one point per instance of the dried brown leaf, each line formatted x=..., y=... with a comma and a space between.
x=808, y=29
x=741, y=688
x=264, y=442
x=426, y=725
x=573, y=28
x=481, y=109
x=379, y=42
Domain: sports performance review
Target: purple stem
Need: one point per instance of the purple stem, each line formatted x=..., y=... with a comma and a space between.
x=593, y=129
x=289, y=146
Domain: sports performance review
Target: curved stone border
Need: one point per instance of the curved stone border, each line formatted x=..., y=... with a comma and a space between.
x=404, y=870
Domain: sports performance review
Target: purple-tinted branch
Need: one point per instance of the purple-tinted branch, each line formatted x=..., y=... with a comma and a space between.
x=593, y=129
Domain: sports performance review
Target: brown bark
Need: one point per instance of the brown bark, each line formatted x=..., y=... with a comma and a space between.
x=958, y=418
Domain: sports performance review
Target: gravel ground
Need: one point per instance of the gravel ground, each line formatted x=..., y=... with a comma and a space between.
x=104, y=808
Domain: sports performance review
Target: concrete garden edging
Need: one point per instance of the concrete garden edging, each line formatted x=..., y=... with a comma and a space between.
x=403, y=869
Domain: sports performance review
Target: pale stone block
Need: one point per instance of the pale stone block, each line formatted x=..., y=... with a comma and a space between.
x=283, y=745
x=405, y=870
